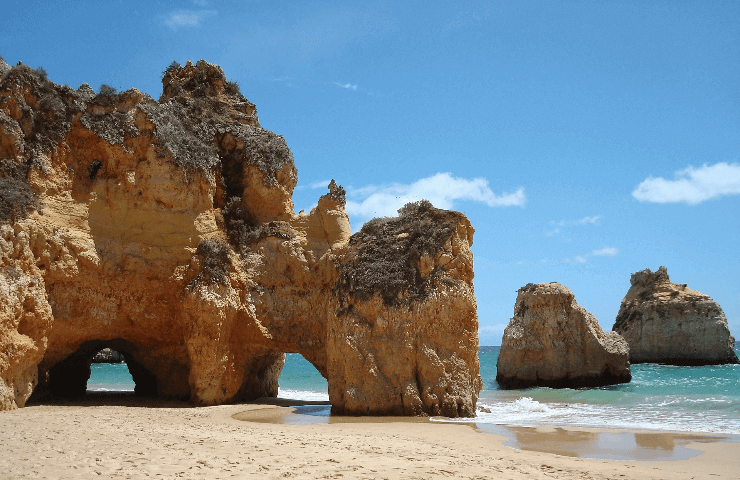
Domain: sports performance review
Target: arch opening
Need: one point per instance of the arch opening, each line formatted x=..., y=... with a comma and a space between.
x=69, y=377
x=109, y=373
x=301, y=380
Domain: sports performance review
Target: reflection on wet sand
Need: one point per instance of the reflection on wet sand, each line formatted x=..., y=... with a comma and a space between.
x=559, y=441
x=562, y=442
x=597, y=444
x=309, y=413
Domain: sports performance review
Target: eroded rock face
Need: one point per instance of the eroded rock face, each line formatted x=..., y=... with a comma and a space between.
x=669, y=323
x=165, y=230
x=553, y=342
x=405, y=290
x=108, y=355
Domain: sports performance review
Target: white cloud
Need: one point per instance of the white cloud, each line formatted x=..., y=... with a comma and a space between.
x=589, y=220
x=442, y=189
x=284, y=80
x=606, y=251
x=187, y=18
x=583, y=221
x=348, y=86
x=322, y=184
x=572, y=223
x=602, y=252
x=692, y=185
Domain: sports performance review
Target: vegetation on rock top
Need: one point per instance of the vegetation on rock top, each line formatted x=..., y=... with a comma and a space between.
x=17, y=200
x=384, y=255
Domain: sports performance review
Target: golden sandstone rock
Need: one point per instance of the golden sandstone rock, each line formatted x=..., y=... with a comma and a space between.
x=553, y=342
x=165, y=230
x=665, y=322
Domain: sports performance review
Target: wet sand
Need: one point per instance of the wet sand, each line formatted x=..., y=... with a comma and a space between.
x=581, y=443
x=122, y=436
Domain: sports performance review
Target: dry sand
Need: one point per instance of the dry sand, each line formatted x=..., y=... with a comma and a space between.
x=127, y=437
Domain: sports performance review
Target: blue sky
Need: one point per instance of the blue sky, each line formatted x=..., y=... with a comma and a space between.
x=584, y=140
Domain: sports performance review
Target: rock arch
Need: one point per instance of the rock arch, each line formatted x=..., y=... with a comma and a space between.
x=69, y=376
x=169, y=225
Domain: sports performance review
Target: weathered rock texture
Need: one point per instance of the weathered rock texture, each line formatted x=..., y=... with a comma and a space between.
x=107, y=355
x=668, y=323
x=553, y=342
x=165, y=230
x=405, y=289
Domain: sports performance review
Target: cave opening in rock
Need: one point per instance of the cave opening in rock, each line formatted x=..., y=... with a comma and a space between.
x=70, y=377
x=300, y=380
x=109, y=373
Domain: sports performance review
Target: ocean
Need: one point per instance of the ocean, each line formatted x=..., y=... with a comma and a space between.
x=659, y=397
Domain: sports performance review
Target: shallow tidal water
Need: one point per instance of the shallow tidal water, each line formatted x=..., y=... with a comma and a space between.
x=659, y=398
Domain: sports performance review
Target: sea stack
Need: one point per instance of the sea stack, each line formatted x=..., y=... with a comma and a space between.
x=553, y=342
x=107, y=355
x=669, y=323
x=165, y=230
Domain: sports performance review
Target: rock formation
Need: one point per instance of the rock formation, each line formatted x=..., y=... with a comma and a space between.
x=553, y=342
x=404, y=285
x=107, y=355
x=165, y=230
x=668, y=323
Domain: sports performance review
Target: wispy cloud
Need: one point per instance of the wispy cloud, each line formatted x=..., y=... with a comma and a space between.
x=583, y=221
x=269, y=46
x=606, y=251
x=322, y=184
x=187, y=18
x=347, y=86
x=442, y=189
x=572, y=223
x=602, y=252
x=692, y=185
x=285, y=80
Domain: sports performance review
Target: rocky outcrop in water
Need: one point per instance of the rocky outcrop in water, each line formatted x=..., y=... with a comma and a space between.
x=553, y=342
x=669, y=323
x=165, y=230
x=107, y=355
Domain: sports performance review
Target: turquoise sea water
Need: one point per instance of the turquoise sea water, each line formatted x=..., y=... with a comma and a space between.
x=110, y=377
x=659, y=397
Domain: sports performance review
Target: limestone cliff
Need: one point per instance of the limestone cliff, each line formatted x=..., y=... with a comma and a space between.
x=165, y=230
x=665, y=322
x=405, y=290
x=553, y=342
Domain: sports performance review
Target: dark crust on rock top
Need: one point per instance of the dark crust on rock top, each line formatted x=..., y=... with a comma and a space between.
x=384, y=260
x=189, y=143
x=653, y=304
x=199, y=107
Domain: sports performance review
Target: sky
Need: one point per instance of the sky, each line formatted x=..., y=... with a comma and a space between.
x=584, y=140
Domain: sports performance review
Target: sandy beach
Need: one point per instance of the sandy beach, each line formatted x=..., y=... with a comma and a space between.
x=128, y=437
